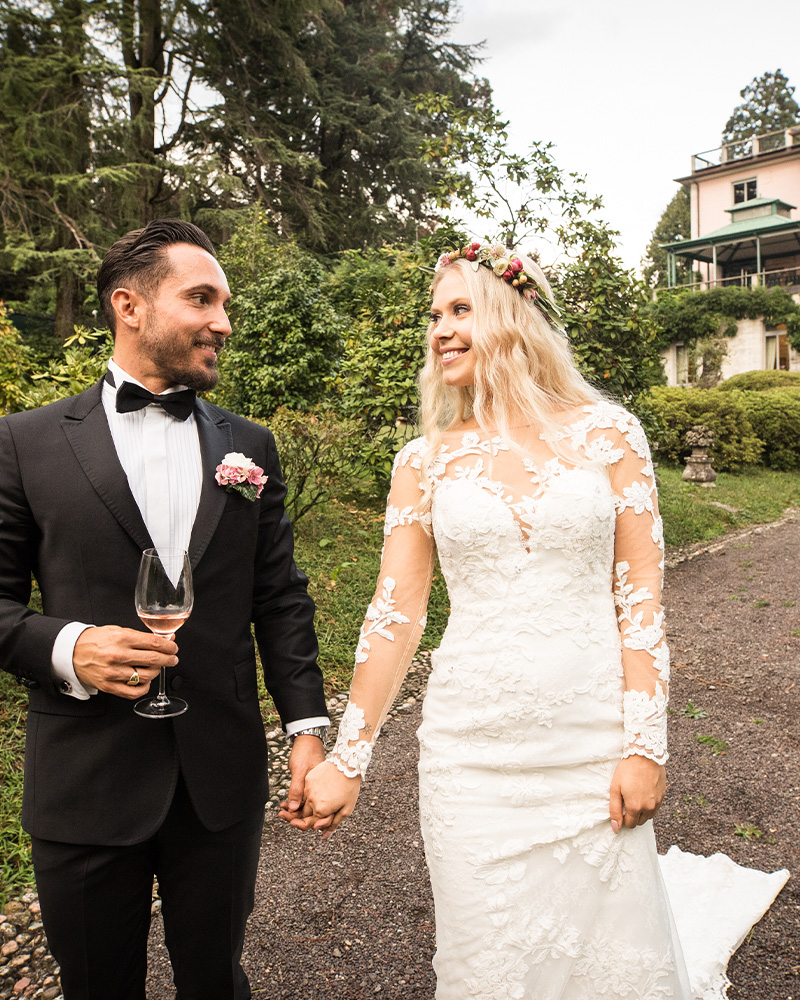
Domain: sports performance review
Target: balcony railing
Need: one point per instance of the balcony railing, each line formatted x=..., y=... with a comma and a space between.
x=785, y=277
x=754, y=146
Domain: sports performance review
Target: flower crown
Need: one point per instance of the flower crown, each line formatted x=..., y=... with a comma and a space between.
x=511, y=269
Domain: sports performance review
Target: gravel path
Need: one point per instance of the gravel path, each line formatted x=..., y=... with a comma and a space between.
x=734, y=629
x=352, y=918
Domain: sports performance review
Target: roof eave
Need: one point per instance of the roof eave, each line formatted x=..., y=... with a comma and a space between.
x=720, y=238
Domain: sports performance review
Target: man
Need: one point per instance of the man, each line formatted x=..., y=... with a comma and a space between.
x=111, y=798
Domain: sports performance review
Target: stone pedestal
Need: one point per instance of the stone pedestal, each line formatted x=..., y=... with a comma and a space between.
x=698, y=464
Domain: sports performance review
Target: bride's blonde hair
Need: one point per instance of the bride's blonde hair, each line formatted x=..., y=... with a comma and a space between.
x=524, y=370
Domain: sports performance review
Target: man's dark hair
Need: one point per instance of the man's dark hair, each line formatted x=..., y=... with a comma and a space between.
x=139, y=259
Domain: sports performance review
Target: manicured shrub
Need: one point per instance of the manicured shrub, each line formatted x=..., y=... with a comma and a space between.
x=775, y=419
x=725, y=413
x=762, y=381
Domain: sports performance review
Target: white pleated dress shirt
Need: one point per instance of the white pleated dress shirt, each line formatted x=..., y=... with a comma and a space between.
x=161, y=459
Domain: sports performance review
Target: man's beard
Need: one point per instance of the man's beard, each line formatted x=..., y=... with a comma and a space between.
x=170, y=357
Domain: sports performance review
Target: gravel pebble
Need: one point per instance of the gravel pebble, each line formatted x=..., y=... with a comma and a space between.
x=26, y=967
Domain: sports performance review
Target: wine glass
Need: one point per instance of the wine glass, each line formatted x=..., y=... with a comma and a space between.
x=164, y=599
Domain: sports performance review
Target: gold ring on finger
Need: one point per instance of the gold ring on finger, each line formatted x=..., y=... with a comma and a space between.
x=133, y=680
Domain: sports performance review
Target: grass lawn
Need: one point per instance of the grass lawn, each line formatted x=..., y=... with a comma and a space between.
x=339, y=548
x=694, y=513
x=15, y=866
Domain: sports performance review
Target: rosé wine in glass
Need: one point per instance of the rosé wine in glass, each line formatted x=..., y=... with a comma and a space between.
x=164, y=599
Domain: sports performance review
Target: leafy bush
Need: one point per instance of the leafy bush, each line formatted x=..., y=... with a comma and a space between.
x=321, y=457
x=606, y=316
x=775, y=418
x=385, y=293
x=14, y=364
x=762, y=381
x=83, y=362
x=287, y=337
x=725, y=413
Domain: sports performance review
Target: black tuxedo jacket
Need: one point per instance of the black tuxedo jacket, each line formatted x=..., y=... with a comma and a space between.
x=95, y=772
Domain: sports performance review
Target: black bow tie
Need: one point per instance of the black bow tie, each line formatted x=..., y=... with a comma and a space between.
x=132, y=397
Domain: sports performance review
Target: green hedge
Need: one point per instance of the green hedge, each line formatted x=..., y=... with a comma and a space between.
x=775, y=419
x=677, y=410
x=762, y=381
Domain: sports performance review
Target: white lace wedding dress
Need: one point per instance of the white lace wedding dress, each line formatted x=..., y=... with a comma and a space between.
x=552, y=668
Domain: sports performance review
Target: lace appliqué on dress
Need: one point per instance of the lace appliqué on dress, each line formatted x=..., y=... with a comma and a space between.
x=352, y=759
x=645, y=716
x=396, y=518
x=615, y=969
x=380, y=616
x=645, y=720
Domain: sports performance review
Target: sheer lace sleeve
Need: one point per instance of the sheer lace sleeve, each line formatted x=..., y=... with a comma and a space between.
x=638, y=569
x=394, y=622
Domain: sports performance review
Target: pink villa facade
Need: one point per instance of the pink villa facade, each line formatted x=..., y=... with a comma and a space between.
x=745, y=226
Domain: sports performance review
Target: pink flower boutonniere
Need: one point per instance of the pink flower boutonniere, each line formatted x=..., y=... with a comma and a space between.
x=238, y=472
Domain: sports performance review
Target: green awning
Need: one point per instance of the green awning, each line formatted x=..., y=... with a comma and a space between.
x=779, y=237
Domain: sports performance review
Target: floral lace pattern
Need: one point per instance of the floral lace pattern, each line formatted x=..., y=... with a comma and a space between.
x=396, y=518
x=645, y=725
x=381, y=615
x=350, y=754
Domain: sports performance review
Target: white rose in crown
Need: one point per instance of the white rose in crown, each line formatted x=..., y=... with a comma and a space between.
x=236, y=472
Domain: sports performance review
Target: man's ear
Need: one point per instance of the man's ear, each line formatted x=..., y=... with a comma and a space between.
x=128, y=308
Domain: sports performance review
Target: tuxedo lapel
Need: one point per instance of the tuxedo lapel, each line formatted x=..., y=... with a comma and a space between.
x=86, y=429
x=216, y=440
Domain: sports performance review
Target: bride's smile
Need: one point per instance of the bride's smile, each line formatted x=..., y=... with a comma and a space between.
x=450, y=331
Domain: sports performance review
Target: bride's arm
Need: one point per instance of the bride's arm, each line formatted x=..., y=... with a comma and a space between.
x=389, y=637
x=638, y=785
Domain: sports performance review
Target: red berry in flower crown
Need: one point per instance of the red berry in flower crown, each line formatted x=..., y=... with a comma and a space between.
x=475, y=246
x=508, y=275
x=470, y=254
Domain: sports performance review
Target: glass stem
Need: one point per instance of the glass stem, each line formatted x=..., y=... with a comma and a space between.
x=162, y=683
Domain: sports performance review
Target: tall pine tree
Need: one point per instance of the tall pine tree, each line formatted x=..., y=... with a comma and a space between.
x=320, y=118
x=768, y=106
x=85, y=133
x=114, y=114
x=674, y=224
x=45, y=142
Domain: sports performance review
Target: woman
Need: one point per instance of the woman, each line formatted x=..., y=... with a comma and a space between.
x=543, y=739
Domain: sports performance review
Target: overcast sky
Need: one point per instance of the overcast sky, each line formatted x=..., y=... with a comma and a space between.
x=628, y=89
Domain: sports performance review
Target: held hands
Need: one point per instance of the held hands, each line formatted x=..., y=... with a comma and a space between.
x=637, y=788
x=330, y=797
x=106, y=656
x=307, y=753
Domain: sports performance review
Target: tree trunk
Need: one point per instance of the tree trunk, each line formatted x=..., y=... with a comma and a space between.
x=143, y=52
x=71, y=202
x=68, y=303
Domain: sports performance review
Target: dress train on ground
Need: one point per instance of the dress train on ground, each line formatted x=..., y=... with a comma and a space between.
x=714, y=902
